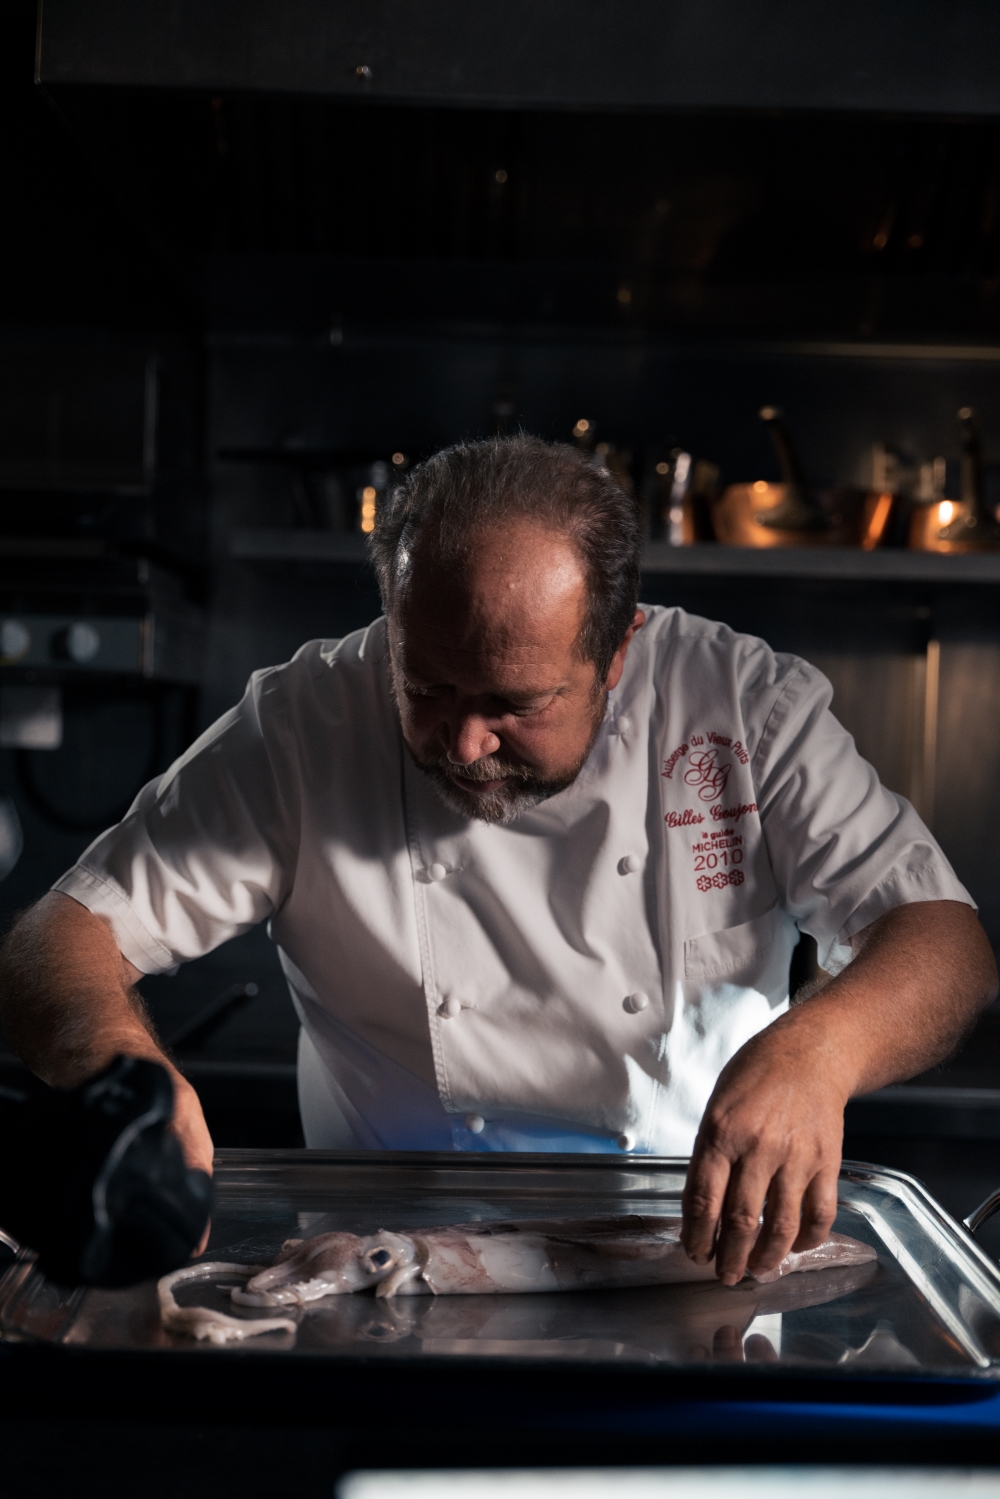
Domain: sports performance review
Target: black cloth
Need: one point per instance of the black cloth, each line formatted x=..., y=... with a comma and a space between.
x=92, y=1179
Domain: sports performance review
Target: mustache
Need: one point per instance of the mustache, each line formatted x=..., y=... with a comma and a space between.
x=490, y=768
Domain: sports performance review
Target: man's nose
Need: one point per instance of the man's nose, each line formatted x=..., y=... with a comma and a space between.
x=470, y=738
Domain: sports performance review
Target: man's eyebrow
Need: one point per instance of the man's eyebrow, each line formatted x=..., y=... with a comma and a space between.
x=417, y=683
x=533, y=696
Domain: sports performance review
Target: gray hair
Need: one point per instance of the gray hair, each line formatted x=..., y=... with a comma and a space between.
x=446, y=500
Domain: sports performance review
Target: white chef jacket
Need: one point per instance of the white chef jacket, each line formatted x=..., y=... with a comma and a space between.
x=448, y=972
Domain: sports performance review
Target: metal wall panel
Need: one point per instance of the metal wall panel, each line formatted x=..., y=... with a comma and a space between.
x=879, y=698
x=967, y=790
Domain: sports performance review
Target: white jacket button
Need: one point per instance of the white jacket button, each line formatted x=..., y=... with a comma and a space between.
x=475, y=1123
x=631, y=864
x=451, y=1008
x=438, y=872
x=636, y=1002
x=624, y=725
x=625, y=1141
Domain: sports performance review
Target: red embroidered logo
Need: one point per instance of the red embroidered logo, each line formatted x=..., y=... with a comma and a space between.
x=668, y=765
x=707, y=774
x=737, y=747
x=685, y=819
x=733, y=814
x=707, y=882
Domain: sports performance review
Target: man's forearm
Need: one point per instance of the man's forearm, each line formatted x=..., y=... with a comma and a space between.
x=68, y=1004
x=920, y=977
x=68, y=1001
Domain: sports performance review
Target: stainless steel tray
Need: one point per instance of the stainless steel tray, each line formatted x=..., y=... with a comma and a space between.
x=930, y=1303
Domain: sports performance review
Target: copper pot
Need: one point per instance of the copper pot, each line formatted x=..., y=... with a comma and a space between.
x=790, y=514
x=856, y=517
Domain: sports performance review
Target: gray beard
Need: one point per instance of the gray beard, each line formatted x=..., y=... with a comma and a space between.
x=520, y=794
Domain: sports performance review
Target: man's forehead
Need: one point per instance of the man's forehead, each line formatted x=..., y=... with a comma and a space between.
x=513, y=637
x=432, y=656
x=523, y=582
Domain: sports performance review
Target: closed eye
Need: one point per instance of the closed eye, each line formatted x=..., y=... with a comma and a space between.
x=525, y=710
x=490, y=707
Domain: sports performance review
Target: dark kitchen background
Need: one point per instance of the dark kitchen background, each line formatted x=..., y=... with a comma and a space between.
x=228, y=312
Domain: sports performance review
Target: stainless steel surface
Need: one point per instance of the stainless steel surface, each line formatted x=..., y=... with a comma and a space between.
x=931, y=1303
x=984, y=1212
x=929, y=59
x=841, y=563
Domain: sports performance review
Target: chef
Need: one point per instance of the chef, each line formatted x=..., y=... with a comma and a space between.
x=535, y=860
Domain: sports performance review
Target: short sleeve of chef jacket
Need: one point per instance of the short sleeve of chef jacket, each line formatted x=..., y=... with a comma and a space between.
x=209, y=849
x=844, y=850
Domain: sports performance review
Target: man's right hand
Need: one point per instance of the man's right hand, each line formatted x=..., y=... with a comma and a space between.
x=69, y=1004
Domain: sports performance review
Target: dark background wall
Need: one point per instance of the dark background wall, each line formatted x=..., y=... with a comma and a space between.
x=316, y=283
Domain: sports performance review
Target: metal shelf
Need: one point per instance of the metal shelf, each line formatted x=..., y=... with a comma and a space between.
x=273, y=545
x=845, y=564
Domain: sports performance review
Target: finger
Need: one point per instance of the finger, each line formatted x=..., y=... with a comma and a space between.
x=782, y=1221
x=203, y=1242
x=819, y=1210
x=701, y=1205
x=740, y=1222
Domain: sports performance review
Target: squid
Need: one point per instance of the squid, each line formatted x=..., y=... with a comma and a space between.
x=204, y=1323
x=475, y=1259
x=598, y=1254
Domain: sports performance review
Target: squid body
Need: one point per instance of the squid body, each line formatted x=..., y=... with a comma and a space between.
x=487, y=1258
x=470, y=1259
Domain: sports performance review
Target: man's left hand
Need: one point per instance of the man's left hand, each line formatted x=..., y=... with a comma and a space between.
x=770, y=1140
x=770, y=1143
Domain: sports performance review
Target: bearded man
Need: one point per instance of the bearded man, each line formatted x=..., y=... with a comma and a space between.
x=535, y=859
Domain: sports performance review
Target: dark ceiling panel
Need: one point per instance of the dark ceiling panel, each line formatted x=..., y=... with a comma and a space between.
x=925, y=56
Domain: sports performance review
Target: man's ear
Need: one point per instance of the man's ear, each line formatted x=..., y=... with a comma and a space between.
x=614, y=675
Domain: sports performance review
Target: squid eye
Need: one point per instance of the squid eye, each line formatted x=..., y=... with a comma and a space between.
x=379, y=1258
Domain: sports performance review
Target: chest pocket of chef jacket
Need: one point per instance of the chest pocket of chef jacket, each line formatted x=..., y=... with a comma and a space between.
x=743, y=953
